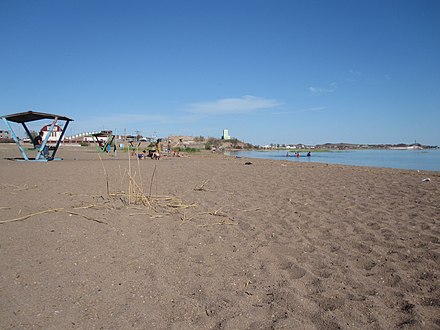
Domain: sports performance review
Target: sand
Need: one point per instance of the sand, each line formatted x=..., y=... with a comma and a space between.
x=222, y=245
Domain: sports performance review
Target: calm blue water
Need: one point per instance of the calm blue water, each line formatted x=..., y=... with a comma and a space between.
x=428, y=160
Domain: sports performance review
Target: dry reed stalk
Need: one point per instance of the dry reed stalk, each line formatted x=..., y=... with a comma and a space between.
x=152, y=178
x=250, y=210
x=122, y=176
x=25, y=187
x=216, y=213
x=91, y=206
x=140, y=173
x=105, y=174
x=129, y=175
x=202, y=186
x=18, y=188
x=84, y=216
x=7, y=185
x=180, y=205
x=164, y=197
x=151, y=216
x=31, y=215
x=85, y=207
x=84, y=195
x=184, y=219
x=10, y=185
x=144, y=198
x=49, y=211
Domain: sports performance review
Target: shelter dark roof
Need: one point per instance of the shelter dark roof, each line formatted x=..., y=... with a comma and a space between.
x=24, y=117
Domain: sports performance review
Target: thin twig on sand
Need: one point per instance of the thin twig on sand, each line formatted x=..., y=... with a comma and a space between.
x=84, y=216
x=180, y=205
x=30, y=215
x=185, y=219
x=49, y=211
x=85, y=207
x=216, y=213
x=201, y=187
x=152, y=179
x=250, y=210
x=105, y=174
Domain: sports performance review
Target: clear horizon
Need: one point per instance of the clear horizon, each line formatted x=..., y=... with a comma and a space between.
x=283, y=72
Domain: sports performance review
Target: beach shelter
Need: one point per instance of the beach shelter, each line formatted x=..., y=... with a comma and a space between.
x=99, y=145
x=29, y=116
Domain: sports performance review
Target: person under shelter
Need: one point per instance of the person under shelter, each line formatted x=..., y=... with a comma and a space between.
x=38, y=141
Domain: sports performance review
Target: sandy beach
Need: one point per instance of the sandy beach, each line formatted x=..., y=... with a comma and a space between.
x=208, y=242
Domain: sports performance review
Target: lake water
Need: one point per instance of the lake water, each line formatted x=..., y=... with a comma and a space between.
x=428, y=160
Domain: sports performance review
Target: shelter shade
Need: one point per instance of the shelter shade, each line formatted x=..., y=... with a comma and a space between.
x=24, y=117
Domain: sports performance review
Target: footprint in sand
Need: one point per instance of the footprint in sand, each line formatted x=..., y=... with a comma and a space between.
x=294, y=270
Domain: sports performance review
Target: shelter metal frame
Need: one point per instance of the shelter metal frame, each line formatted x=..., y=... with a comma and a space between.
x=109, y=141
x=29, y=116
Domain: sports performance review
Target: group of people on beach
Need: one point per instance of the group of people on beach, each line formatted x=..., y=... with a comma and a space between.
x=155, y=153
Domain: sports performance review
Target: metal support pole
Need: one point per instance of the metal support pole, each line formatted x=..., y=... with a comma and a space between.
x=15, y=138
x=60, y=139
x=43, y=145
x=28, y=133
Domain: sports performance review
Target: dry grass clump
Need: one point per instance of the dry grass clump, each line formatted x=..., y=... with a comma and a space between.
x=133, y=192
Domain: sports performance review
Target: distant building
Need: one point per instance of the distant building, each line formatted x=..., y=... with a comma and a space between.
x=55, y=135
x=225, y=135
x=88, y=137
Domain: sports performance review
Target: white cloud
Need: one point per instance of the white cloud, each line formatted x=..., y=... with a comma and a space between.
x=323, y=90
x=245, y=104
x=312, y=109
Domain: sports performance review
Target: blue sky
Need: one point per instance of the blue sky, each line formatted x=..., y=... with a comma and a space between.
x=281, y=71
